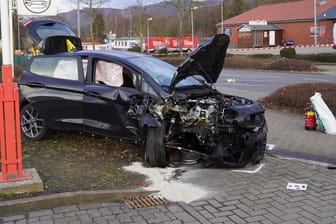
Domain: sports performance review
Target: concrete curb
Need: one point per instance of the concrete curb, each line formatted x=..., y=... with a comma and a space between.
x=19, y=206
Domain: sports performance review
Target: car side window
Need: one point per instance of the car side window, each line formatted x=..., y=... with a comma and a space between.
x=113, y=74
x=56, y=67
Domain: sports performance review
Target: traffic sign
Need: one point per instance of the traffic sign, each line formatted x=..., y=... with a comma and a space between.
x=36, y=7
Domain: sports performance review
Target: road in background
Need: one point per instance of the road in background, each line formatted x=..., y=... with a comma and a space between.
x=257, y=84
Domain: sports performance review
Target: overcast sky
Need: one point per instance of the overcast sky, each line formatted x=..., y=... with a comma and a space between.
x=66, y=5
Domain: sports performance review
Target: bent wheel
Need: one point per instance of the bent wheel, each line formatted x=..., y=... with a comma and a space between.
x=33, y=126
x=156, y=154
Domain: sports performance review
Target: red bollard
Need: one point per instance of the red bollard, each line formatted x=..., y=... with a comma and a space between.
x=10, y=132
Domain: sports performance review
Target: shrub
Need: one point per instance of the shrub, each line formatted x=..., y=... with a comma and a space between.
x=135, y=49
x=326, y=57
x=293, y=98
x=288, y=52
x=163, y=50
x=286, y=64
x=243, y=62
x=261, y=56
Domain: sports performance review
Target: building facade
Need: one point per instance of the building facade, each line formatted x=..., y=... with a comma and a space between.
x=290, y=23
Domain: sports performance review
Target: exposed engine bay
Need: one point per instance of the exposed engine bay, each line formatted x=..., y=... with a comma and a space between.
x=225, y=130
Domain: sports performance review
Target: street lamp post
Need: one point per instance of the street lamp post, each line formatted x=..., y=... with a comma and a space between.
x=78, y=19
x=222, y=17
x=315, y=33
x=131, y=24
x=192, y=26
x=149, y=19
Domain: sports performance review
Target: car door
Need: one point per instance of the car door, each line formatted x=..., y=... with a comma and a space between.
x=108, y=95
x=54, y=86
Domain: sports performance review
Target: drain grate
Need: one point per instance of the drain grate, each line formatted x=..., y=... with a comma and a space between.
x=146, y=201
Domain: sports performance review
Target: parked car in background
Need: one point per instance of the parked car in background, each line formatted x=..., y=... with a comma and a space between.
x=142, y=99
x=288, y=43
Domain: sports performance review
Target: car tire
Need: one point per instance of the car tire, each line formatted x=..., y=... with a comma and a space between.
x=156, y=154
x=33, y=126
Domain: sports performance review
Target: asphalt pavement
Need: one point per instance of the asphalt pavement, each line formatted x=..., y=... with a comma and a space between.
x=295, y=157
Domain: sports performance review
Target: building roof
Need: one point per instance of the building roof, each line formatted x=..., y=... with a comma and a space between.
x=329, y=14
x=283, y=12
x=261, y=27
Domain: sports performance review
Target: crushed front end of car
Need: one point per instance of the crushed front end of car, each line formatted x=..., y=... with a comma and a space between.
x=226, y=131
x=223, y=130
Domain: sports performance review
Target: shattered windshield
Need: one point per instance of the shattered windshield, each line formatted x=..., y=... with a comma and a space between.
x=162, y=72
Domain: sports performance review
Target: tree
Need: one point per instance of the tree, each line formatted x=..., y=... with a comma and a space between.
x=139, y=16
x=237, y=7
x=99, y=27
x=115, y=23
x=183, y=8
x=91, y=5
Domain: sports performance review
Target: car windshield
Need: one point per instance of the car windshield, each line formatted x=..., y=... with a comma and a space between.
x=162, y=72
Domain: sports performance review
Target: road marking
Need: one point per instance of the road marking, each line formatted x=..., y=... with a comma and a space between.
x=259, y=167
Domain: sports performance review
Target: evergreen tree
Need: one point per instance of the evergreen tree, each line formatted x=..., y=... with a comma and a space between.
x=99, y=27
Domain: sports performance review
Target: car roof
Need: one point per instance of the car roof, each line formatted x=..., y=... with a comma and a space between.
x=117, y=54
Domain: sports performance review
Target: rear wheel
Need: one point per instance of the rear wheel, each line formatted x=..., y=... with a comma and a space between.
x=33, y=126
x=156, y=154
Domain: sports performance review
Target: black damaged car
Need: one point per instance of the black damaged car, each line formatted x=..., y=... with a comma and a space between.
x=141, y=99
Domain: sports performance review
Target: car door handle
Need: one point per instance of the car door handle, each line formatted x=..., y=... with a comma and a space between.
x=93, y=93
x=35, y=84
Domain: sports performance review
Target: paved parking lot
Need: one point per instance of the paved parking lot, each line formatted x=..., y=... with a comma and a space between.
x=257, y=194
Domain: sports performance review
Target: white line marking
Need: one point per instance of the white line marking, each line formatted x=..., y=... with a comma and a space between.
x=260, y=166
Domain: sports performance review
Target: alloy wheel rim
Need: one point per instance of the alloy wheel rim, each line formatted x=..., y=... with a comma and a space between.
x=31, y=123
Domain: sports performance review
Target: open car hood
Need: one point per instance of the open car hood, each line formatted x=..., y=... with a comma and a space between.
x=206, y=61
x=52, y=36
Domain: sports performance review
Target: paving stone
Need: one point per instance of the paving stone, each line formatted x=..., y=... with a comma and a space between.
x=184, y=216
x=227, y=208
x=22, y=221
x=223, y=219
x=237, y=219
x=254, y=218
x=40, y=213
x=240, y=213
x=66, y=219
x=65, y=209
x=206, y=214
x=12, y=218
x=214, y=203
x=221, y=214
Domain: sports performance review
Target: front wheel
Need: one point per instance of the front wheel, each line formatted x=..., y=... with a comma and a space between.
x=156, y=154
x=33, y=126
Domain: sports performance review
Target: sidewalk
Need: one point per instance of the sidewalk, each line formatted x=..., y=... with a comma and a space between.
x=327, y=69
x=289, y=137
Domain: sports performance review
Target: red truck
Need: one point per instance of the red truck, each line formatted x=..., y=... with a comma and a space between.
x=171, y=43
